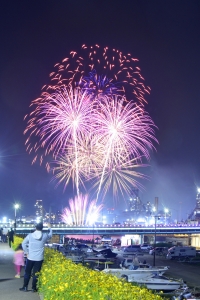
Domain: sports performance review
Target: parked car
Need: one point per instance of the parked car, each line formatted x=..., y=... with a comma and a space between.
x=117, y=243
x=179, y=252
x=159, y=251
x=145, y=247
x=132, y=248
x=106, y=245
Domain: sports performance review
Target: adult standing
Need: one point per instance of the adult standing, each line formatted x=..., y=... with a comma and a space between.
x=10, y=237
x=4, y=234
x=1, y=234
x=33, y=246
x=135, y=264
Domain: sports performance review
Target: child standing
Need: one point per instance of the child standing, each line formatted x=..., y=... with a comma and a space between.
x=18, y=260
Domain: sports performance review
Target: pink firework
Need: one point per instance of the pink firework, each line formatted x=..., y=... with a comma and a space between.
x=124, y=127
x=57, y=118
x=126, y=132
x=121, y=136
x=81, y=211
x=60, y=118
x=88, y=126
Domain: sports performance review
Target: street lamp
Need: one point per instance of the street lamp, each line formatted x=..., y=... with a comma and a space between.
x=16, y=206
x=166, y=211
x=154, y=253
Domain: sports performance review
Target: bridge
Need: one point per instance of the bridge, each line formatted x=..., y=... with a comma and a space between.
x=63, y=229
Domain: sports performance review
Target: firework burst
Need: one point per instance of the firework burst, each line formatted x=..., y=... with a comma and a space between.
x=124, y=128
x=60, y=118
x=89, y=162
x=121, y=136
x=81, y=211
x=101, y=71
x=126, y=132
x=85, y=121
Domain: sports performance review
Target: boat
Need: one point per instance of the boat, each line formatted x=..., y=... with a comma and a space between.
x=74, y=257
x=105, y=255
x=134, y=275
x=158, y=283
x=186, y=293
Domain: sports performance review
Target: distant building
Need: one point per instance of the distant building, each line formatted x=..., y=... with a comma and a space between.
x=58, y=216
x=137, y=207
x=50, y=217
x=39, y=209
x=156, y=204
x=195, y=214
x=135, y=203
x=197, y=208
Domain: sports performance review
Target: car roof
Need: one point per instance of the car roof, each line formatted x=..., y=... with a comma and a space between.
x=161, y=247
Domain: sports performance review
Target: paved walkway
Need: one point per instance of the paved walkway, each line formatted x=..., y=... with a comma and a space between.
x=9, y=285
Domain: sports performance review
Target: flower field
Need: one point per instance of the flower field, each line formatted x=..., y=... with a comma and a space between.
x=62, y=279
x=17, y=241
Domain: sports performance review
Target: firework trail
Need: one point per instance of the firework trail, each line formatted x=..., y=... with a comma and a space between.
x=120, y=175
x=89, y=162
x=125, y=130
x=81, y=211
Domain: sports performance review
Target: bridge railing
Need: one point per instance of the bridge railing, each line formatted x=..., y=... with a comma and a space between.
x=64, y=229
x=62, y=225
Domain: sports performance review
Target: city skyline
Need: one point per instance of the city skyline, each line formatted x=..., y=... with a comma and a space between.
x=136, y=212
x=162, y=36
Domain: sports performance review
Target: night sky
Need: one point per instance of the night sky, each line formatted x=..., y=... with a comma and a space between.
x=163, y=35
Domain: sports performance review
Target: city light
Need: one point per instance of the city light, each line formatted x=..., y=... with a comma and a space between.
x=104, y=219
x=166, y=210
x=4, y=219
x=38, y=219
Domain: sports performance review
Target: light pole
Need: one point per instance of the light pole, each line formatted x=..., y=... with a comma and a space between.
x=16, y=206
x=154, y=253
